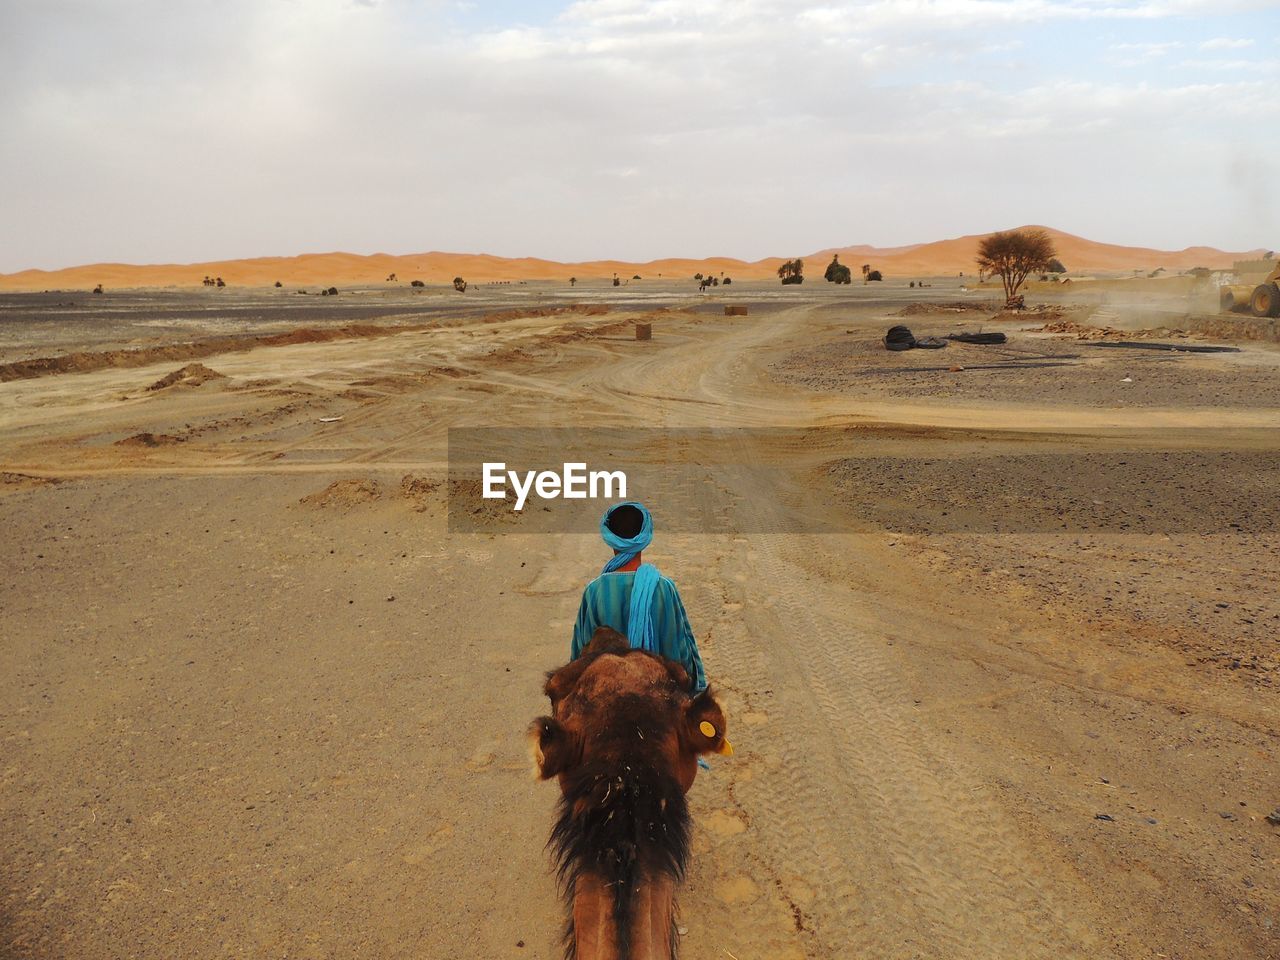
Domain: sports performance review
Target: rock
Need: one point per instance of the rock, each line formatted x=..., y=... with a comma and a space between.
x=1273, y=817
x=1104, y=816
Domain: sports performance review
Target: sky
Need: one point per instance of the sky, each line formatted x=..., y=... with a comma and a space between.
x=163, y=131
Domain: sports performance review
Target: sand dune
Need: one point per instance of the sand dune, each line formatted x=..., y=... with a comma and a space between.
x=939, y=258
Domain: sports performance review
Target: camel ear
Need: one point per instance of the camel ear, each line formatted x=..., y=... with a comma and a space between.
x=705, y=725
x=552, y=747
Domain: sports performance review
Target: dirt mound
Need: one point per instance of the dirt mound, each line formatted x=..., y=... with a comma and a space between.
x=150, y=440
x=83, y=361
x=344, y=493
x=419, y=491
x=958, y=306
x=1084, y=331
x=192, y=375
x=13, y=480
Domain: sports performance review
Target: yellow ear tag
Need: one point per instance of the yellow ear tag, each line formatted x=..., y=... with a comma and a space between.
x=708, y=729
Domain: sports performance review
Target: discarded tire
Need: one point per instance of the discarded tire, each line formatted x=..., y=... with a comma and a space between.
x=899, y=338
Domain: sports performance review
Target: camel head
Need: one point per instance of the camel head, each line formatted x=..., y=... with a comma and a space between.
x=623, y=741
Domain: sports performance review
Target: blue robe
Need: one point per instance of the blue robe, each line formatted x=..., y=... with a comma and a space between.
x=606, y=602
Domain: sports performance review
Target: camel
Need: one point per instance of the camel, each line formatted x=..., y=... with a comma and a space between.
x=623, y=741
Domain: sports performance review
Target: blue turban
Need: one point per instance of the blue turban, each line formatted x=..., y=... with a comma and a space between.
x=640, y=632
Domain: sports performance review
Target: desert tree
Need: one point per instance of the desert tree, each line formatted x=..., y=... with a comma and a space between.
x=792, y=271
x=1013, y=255
x=837, y=272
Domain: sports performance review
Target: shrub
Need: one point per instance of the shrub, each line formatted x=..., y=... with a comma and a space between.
x=837, y=272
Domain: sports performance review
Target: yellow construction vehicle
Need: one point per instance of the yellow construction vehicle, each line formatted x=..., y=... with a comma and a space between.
x=1262, y=300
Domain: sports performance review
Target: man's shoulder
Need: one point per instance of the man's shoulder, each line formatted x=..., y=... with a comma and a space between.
x=667, y=585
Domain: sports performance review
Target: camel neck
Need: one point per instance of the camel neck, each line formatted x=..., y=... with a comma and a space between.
x=650, y=927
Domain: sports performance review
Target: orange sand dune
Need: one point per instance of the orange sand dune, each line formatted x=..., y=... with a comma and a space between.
x=1076, y=253
x=943, y=257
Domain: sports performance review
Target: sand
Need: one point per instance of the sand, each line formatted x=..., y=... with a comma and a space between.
x=317, y=270
x=260, y=702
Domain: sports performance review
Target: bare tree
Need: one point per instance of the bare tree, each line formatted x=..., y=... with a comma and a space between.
x=1013, y=255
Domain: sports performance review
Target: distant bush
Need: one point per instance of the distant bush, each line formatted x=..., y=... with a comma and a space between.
x=636, y=277
x=1055, y=266
x=391, y=278
x=727, y=281
x=875, y=275
x=279, y=284
x=98, y=288
x=697, y=276
x=416, y=283
x=792, y=271
x=838, y=272
x=219, y=282
x=459, y=284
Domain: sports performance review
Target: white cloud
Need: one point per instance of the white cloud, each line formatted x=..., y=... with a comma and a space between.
x=1226, y=43
x=175, y=130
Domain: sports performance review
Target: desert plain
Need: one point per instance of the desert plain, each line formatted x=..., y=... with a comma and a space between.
x=996, y=631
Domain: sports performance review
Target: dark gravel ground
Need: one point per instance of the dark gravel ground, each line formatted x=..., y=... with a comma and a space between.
x=1032, y=368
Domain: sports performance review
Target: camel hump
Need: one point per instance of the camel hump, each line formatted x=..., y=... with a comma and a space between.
x=607, y=640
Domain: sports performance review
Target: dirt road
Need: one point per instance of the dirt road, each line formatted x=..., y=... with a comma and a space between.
x=258, y=701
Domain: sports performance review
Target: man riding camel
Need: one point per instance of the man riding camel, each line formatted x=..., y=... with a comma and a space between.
x=635, y=599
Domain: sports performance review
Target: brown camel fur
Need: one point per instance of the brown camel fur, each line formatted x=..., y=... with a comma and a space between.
x=623, y=740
